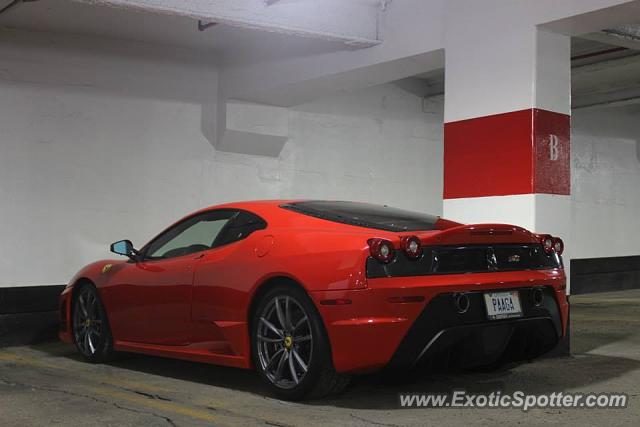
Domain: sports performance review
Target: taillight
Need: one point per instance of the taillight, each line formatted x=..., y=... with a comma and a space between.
x=381, y=249
x=547, y=243
x=552, y=244
x=412, y=246
x=558, y=245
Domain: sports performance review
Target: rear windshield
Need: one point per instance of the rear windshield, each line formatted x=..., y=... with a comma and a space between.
x=365, y=215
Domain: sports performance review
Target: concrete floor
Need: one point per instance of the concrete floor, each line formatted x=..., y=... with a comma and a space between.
x=48, y=384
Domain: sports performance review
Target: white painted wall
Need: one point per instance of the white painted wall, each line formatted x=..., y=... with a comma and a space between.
x=605, y=182
x=103, y=140
x=103, y=143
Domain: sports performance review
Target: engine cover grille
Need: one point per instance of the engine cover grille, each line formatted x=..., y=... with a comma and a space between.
x=466, y=259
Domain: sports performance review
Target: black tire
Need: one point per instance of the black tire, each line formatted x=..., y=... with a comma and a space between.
x=90, y=326
x=320, y=378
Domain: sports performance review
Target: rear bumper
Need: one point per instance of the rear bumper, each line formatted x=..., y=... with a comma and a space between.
x=376, y=330
x=442, y=336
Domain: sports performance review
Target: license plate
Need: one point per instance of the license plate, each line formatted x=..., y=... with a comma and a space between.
x=502, y=305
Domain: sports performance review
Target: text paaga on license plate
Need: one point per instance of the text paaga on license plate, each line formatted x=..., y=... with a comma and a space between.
x=503, y=305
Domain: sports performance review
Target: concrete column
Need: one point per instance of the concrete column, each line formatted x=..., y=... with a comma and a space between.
x=507, y=126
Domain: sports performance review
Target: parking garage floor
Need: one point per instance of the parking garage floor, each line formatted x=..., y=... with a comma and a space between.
x=48, y=384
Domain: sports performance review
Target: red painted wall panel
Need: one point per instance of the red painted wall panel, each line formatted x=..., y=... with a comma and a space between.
x=520, y=152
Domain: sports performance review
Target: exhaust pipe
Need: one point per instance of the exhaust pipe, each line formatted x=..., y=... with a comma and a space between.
x=537, y=295
x=461, y=302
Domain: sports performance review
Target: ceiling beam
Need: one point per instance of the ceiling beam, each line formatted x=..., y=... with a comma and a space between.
x=626, y=62
x=353, y=22
x=613, y=40
x=613, y=98
x=610, y=82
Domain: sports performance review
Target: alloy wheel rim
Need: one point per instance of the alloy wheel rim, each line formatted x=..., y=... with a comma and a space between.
x=284, y=342
x=87, y=324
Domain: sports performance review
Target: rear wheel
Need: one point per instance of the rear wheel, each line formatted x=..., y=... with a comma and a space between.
x=290, y=347
x=91, y=331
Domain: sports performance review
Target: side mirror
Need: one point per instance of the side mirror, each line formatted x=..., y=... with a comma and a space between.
x=124, y=247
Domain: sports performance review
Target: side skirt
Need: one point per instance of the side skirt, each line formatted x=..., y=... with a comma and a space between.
x=201, y=352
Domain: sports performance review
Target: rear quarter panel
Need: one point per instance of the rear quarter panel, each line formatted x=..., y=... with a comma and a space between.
x=227, y=278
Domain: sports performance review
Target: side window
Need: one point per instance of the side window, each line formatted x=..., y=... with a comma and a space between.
x=192, y=235
x=240, y=227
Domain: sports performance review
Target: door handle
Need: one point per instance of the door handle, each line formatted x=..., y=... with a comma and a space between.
x=199, y=256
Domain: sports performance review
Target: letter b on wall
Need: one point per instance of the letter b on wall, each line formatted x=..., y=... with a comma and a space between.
x=552, y=153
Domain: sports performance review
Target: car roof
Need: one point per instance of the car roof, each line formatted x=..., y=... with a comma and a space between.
x=249, y=203
x=259, y=207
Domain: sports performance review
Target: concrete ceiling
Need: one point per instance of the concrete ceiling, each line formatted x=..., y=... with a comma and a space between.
x=606, y=67
x=229, y=44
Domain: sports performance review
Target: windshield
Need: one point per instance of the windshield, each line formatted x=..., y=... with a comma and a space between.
x=368, y=215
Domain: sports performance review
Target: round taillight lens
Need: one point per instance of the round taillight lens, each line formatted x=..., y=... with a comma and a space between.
x=547, y=244
x=412, y=246
x=558, y=245
x=381, y=249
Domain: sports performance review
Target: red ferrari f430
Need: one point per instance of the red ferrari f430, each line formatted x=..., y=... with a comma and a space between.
x=310, y=292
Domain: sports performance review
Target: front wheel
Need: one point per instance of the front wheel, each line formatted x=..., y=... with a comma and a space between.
x=91, y=331
x=290, y=347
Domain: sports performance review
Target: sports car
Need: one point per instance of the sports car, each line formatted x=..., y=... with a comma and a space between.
x=309, y=292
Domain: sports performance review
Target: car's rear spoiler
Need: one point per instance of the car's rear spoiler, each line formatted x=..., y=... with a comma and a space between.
x=480, y=234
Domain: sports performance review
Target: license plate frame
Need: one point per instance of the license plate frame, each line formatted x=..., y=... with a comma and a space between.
x=503, y=305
